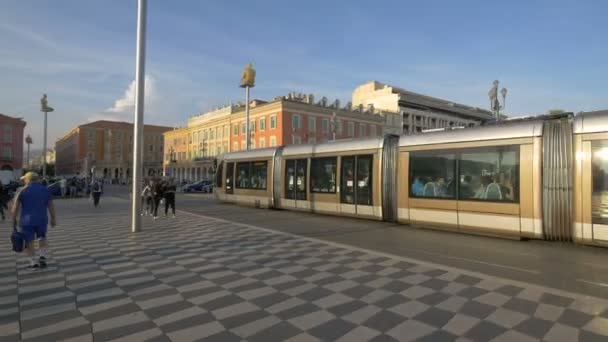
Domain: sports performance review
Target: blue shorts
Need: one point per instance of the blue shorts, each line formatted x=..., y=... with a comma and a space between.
x=32, y=233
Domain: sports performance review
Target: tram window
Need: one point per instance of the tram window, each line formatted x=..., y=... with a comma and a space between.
x=219, y=175
x=323, y=174
x=251, y=175
x=295, y=179
x=347, y=188
x=229, y=177
x=432, y=175
x=364, y=180
x=599, y=170
x=489, y=174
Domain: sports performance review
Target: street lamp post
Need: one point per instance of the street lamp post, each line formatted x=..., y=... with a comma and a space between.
x=138, y=124
x=247, y=81
x=28, y=141
x=44, y=107
x=494, y=103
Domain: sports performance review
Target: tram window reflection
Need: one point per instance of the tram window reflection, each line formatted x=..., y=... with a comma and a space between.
x=599, y=170
x=432, y=175
x=489, y=174
x=323, y=174
x=251, y=175
x=229, y=178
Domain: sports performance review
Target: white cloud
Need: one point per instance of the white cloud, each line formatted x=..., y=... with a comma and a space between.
x=126, y=104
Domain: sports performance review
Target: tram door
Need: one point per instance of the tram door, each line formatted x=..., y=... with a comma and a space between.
x=356, y=181
x=295, y=181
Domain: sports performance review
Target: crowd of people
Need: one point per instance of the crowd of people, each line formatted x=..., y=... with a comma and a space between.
x=154, y=193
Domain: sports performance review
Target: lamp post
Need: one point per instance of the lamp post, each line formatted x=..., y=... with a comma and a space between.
x=44, y=107
x=334, y=124
x=138, y=123
x=28, y=141
x=495, y=105
x=247, y=81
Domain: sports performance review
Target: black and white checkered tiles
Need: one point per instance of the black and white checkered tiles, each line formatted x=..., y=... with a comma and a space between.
x=200, y=279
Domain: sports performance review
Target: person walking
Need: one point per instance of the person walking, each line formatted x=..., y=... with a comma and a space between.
x=146, y=198
x=31, y=204
x=157, y=194
x=3, y=200
x=96, y=191
x=170, y=190
x=63, y=184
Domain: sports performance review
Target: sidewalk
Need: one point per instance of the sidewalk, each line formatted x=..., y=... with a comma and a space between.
x=197, y=278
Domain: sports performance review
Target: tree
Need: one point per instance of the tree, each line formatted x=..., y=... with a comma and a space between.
x=556, y=111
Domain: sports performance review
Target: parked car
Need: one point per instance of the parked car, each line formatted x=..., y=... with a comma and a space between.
x=197, y=186
x=208, y=188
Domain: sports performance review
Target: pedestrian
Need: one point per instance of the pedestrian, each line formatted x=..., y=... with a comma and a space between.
x=72, y=185
x=146, y=199
x=157, y=194
x=32, y=203
x=63, y=184
x=4, y=198
x=170, y=190
x=96, y=191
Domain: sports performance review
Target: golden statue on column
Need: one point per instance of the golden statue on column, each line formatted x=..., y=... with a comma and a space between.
x=248, y=77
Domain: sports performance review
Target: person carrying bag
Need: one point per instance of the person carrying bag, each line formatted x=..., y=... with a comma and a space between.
x=17, y=239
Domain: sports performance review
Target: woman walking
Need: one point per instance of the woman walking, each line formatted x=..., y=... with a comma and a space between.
x=146, y=198
x=170, y=197
x=157, y=194
x=96, y=191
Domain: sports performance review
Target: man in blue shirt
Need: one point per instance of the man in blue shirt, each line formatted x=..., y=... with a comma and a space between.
x=33, y=201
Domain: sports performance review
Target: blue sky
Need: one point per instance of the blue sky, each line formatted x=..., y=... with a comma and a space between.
x=549, y=54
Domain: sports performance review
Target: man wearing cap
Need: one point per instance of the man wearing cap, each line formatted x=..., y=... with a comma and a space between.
x=33, y=201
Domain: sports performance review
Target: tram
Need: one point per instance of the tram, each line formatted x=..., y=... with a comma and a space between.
x=542, y=177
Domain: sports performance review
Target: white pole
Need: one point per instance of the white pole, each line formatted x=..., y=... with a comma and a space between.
x=44, y=147
x=138, y=126
x=247, y=132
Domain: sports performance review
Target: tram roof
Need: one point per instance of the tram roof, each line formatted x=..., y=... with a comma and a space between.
x=256, y=153
x=503, y=130
x=591, y=122
x=335, y=146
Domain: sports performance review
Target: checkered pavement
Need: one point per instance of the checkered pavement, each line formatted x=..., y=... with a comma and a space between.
x=203, y=279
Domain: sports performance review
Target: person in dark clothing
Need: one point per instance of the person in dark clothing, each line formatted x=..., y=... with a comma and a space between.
x=157, y=195
x=3, y=200
x=96, y=191
x=170, y=197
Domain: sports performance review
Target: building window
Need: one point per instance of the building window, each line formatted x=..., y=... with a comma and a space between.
x=351, y=129
x=372, y=130
x=340, y=126
x=599, y=183
x=312, y=140
x=323, y=175
x=262, y=142
x=8, y=134
x=243, y=145
x=225, y=132
x=273, y=141
x=235, y=130
x=235, y=146
x=7, y=153
x=252, y=143
x=312, y=124
x=325, y=125
x=251, y=175
x=243, y=128
x=273, y=122
x=91, y=134
x=295, y=121
x=296, y=140
x=262, y=124
x=252, y=125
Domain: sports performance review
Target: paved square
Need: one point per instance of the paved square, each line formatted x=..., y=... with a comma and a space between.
x=203, y=279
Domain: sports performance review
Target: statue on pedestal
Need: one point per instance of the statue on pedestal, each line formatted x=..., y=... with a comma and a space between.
x=248, y=77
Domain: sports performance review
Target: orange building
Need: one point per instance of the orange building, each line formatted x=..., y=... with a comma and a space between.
x=293, y=119
x=107, y=146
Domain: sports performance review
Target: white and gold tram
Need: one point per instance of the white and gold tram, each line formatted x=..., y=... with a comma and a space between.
x=537, y=178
